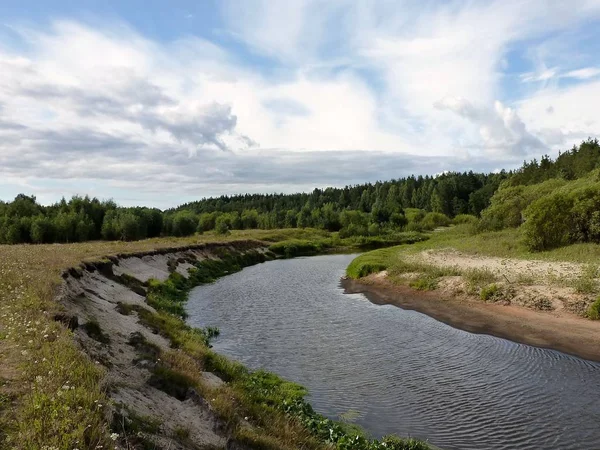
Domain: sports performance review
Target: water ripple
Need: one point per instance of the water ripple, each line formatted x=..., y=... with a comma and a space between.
x=404, y=372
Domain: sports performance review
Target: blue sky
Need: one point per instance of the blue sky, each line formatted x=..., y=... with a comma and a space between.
x=159, y=103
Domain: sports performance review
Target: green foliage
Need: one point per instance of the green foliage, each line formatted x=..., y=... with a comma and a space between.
x=509, y=203
x=222, y=225
x=371, y=262
x=424, y=283
x=464, y=218
x=184, y=223
x=434, y=220
x=300, y=247
x=489, y=292
x=593, y=311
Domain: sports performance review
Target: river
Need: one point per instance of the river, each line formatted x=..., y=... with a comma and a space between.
x=396, y=371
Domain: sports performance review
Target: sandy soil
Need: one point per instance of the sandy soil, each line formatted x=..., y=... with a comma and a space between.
x=505, y=267
x=94, y=292
x=539, y=314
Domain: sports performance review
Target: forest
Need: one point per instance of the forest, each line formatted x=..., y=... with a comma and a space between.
x=556, y=201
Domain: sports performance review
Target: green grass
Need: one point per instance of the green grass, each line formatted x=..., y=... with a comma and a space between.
x=306, y=247
x=489, y=292
x=425, y=283
x=594, y=310
x=506, y=243
x=372, y=262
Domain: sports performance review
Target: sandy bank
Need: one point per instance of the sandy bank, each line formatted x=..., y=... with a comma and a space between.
x=108, y=295
x=557, y=329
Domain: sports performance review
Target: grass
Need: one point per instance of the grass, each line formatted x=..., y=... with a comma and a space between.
x=306, y=247
x=594, y=310
x=51, y=394
x=371, y=262
x=403, y=265
x=490, y=292
x=425, y=283
x=39, y=356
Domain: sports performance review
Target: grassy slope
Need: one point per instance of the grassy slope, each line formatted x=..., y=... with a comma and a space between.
x=39, y=357
x=505, y=244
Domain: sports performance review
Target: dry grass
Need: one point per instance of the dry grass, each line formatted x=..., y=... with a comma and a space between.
x=50, y=395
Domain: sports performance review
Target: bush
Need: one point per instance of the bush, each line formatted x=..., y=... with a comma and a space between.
x=434, y=220
x=548, y=222
x=353, y=229
x=299, y=247
x=184, y=223
x=464, y=218
x=414, y=215
x=508, y=204
x=222, y=225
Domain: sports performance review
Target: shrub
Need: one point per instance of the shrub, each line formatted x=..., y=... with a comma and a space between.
x=434, y=220
x=489, y=292
x=184, y=223
x=593, y=311
x=298, y=247
x=464, y=218
x=414, y=215
x=548, y=223
x=222, y=225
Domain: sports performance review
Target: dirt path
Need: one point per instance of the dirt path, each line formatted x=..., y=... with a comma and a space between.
x=560, y=331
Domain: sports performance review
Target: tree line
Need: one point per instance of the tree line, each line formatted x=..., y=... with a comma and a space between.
x=410, y=203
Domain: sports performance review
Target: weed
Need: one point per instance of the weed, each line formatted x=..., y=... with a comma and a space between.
x=125, y=308
x=478, y=277
x=586, y=282
x=593, y=311
x=489, y=292
x=182, y=433
x=171, y=382
x=425, y=283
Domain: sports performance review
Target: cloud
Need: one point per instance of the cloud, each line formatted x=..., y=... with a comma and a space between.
x=311, y=93
x=579, y=74
x=583, y=74
x=500, y=128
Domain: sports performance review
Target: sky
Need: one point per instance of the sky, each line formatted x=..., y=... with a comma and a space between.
x=159, y=103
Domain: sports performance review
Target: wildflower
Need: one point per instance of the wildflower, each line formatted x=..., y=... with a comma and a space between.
x=38, y=379
x=114, y=436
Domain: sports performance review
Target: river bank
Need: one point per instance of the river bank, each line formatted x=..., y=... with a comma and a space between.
x=487, y=284
x=110, y=340
x=569, y=334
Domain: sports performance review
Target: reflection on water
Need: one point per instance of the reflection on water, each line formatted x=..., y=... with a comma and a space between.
x=404, y=372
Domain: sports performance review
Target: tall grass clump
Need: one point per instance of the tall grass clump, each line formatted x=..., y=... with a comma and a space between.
x=593, y=311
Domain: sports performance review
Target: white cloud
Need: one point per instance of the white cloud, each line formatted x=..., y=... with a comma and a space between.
x=583, y=74
x=501, y=130
x=353, y=90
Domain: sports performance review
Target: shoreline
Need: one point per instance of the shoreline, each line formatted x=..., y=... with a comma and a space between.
x=563, y=331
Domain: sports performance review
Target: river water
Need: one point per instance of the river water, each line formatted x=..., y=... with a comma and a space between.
x=398, y=372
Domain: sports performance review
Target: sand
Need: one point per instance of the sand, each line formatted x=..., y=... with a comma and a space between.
x=557, y=328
